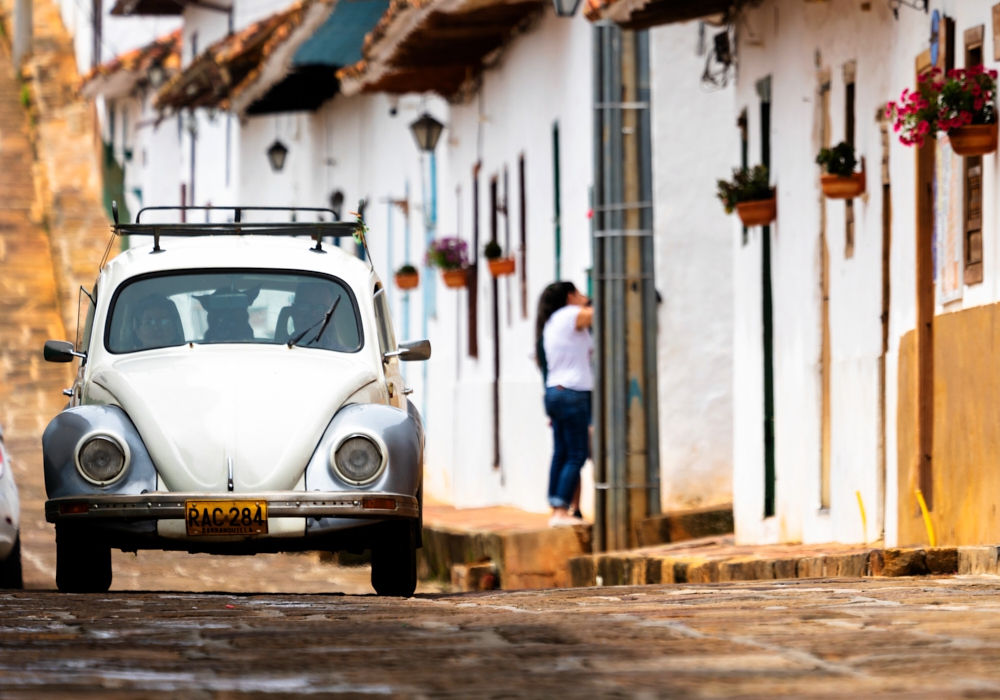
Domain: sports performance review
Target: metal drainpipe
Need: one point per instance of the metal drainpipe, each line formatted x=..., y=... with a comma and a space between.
x=625, y=417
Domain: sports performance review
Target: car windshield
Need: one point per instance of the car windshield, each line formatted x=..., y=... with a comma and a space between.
x=266, y=308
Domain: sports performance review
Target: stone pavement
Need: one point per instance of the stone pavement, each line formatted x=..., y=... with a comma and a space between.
x=892, y=638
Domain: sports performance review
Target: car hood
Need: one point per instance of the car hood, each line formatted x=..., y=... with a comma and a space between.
x=265, y=408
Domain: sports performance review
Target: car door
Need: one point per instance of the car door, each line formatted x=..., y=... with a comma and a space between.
x=387, y=344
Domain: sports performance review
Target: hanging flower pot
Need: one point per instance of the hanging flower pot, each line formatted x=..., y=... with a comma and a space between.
x=750, y=195
x=961, y=103
x=974, y=139
x=843, y=186
x=839, y=180
x=453, y=279
x=501, y=267
x=759, y=212
x=451, y=256
x=407, y=277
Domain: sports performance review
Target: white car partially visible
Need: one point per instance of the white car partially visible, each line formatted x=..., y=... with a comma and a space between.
x=10, y=523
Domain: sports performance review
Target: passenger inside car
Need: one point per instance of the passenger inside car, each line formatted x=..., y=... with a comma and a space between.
x=228, y=315
x=156, y=323
x=312, y=301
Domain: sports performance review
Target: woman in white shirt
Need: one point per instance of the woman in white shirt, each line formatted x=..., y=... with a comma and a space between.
x=564, y=347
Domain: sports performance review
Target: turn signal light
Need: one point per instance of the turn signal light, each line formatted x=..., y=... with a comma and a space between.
x=73, y=508
x=379, y=503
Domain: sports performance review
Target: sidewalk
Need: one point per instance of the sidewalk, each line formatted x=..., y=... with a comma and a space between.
x=501, y=547
x=713, y=560
x=487, y=548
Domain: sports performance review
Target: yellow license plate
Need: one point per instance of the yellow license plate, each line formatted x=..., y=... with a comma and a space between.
x=226, y=517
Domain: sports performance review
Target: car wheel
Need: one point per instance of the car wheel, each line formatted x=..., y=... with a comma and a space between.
x=10, y=568
x=82, y=565
x=394, y=560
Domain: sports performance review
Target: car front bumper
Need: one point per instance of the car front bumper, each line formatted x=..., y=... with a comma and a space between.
x=280, y=504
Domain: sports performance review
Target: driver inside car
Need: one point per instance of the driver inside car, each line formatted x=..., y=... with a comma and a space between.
x=312, y=301
x=156, y=323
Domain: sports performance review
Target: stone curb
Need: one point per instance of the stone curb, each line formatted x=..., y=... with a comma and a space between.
x=624, y=569
x=517, y=559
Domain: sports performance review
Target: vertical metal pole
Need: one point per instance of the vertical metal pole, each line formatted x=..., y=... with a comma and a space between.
x=22, y=32
x=494, y=208
x=388, y=246
x=97, y=25
x=625, y=417
x=597, y=253
x=409, y=261
x=557, y=198
x=430, y=287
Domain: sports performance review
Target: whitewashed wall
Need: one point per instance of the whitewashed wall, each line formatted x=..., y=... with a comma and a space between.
x=785, y=39
x=693, y=145
x=118, y=35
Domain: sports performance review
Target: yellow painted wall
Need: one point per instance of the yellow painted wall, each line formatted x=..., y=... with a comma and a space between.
x=966, y=456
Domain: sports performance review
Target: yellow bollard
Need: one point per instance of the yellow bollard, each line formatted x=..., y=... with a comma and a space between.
x=927, y=518
x=864, y=520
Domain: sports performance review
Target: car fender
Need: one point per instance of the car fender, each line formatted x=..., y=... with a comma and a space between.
x=396, y=429
x=62, y=438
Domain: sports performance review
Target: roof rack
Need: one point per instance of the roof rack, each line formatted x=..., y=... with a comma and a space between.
x=317, y=230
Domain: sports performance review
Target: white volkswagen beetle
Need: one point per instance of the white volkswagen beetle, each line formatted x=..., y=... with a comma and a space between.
x=239, y=392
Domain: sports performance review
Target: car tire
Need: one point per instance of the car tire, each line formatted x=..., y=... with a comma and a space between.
x=394, y=560
x=10, y=568
x=82, y=565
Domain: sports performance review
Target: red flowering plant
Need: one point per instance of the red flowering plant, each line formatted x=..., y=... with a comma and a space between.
x=963, y=97
x=915, y=116
x=968, y=96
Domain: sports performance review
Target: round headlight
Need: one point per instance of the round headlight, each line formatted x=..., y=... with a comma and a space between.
x=358, y=460
x=101, y=459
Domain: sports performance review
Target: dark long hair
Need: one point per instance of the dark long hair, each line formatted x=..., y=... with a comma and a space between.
x=553, y=298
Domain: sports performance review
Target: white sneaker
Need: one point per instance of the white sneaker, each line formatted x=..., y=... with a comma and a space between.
x=561, y=520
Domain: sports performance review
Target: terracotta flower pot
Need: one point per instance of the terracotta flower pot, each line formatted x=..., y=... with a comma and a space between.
x=843, y=186
x=501, y=267
x=407, y=280
x=974, y=140
x=453, y=279
x=759, y=212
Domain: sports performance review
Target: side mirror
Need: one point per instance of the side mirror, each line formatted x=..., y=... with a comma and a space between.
x=415, y=350
x=411, y=350
x=60, y=351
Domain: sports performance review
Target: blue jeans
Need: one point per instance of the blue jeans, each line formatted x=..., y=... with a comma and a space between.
x=570, y=414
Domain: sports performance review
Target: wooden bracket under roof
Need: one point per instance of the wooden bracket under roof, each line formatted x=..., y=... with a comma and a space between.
x=437, y=46
x=642, y=14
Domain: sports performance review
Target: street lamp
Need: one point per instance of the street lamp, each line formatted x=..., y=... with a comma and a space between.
x=566, y=8
x=276, y=155
x=427, y=130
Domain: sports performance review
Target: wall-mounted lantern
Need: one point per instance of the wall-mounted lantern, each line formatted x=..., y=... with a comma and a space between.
x=276, y=155
x=426, y=130
x=566, y=8
x=337, y=204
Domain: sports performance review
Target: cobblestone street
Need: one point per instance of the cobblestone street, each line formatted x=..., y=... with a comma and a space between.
x=933, y=638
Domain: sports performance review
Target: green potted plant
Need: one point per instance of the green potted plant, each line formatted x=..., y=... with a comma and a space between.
x=407, y=277
x=963, y=104
x=499, y=265
x=750, y=194
x=451, y=256
x=840, y=181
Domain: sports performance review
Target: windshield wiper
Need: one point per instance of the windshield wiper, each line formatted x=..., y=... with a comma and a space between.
x=325, y=321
